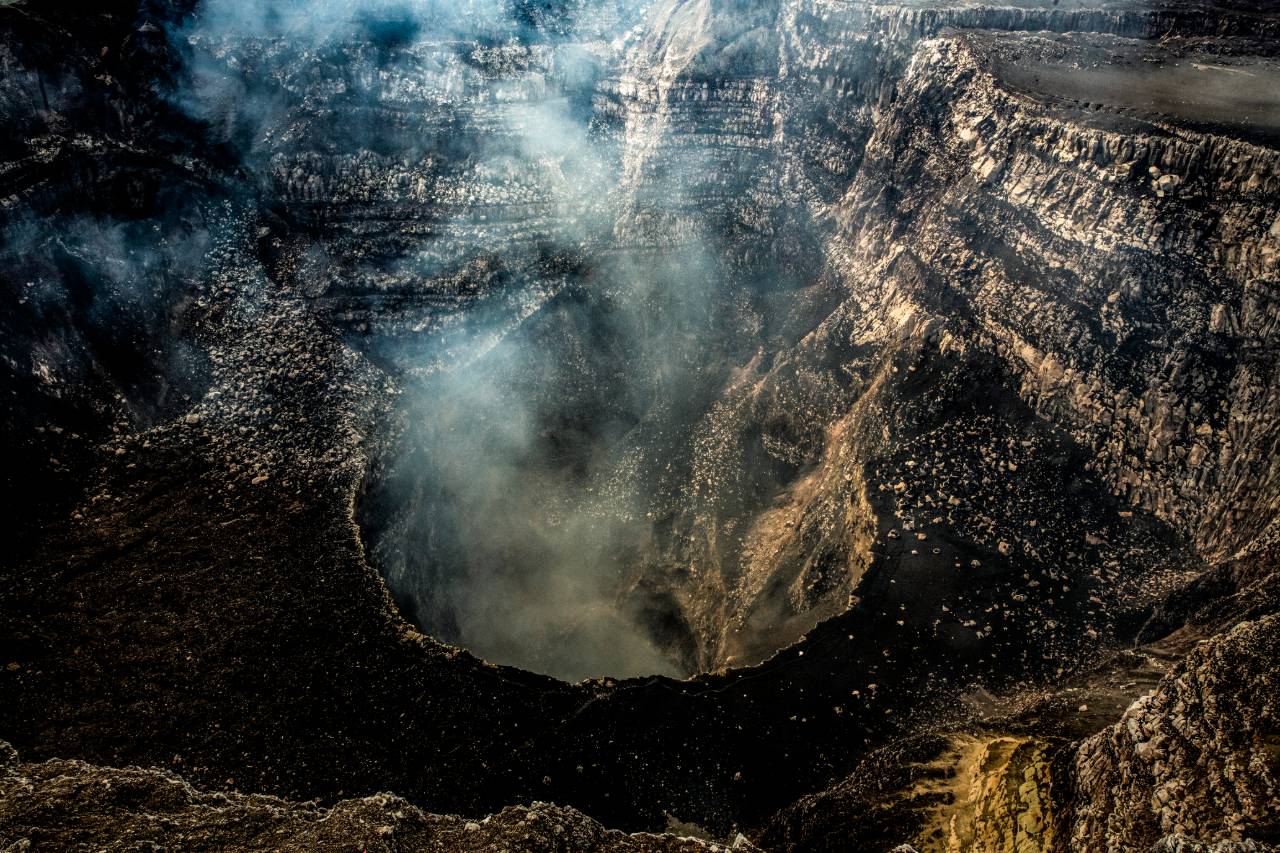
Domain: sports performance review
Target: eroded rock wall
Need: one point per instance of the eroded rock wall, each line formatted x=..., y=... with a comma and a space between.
x=1195, y=759
x=1124, y=276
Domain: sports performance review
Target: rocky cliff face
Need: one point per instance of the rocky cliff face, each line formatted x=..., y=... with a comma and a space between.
x=908, y=367
x=1102, y=208
x=1133, y=782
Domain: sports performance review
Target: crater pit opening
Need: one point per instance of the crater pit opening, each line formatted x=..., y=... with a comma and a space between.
x=587, y=332
x=570, y=496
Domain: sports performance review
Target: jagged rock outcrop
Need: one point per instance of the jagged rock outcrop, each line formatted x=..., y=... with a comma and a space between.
x=1195, y=759
x=71, y=805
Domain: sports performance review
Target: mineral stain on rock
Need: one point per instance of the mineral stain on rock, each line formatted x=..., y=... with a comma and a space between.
x=801, y=425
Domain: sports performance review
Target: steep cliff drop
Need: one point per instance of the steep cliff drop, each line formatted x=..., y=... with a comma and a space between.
x=800, y=425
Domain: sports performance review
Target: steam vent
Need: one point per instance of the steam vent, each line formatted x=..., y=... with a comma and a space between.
x=812, y=426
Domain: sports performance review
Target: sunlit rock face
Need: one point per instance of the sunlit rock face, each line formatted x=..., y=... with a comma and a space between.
x=889, y=388
x=638, y=270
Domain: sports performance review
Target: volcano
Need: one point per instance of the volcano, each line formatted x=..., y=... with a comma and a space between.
x=786, y=425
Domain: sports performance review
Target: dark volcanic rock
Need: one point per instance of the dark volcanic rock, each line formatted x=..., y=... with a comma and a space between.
x=71, y=805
